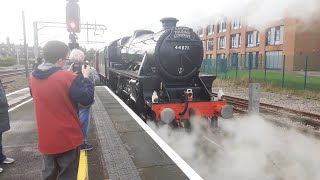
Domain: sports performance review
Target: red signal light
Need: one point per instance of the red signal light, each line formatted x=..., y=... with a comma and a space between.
x=72, y=25
x=73, y=16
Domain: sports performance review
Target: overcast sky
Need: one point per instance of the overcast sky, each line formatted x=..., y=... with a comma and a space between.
x=123, y=16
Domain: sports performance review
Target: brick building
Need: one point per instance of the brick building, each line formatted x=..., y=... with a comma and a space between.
x=245, y=46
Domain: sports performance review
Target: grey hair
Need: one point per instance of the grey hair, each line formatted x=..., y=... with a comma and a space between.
x=77, y=55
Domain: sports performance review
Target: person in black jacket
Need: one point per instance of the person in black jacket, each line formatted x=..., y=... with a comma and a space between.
x=78, y=59
x=4, y=124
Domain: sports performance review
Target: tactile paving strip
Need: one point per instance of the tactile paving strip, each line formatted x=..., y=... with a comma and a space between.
x=116, y=159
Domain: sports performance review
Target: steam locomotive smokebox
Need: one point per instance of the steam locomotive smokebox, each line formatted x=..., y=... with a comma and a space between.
x=179, y=51
x=169, y=22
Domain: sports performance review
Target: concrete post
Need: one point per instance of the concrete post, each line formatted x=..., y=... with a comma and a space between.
x=36, y=45
x=254, y=98
x=25, y=46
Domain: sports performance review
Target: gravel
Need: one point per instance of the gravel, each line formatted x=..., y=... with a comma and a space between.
x=286, y=101
x=19, y=82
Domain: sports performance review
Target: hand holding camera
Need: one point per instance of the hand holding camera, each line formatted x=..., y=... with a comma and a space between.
x=86, y=70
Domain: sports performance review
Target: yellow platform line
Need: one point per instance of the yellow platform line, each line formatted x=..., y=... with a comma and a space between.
x=83, y=166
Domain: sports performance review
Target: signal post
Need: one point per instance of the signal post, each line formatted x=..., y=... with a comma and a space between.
x=73, y=22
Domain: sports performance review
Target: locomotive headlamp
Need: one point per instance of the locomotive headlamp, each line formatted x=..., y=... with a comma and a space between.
x=220, y=94
x=189, y=94
x=155, y=98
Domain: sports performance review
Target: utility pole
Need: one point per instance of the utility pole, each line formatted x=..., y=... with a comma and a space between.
x=17, y=52
x=36, y=45
x=87, y=33
x=25, y=45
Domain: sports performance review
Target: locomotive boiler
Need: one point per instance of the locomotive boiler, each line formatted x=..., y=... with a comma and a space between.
x=158, y=75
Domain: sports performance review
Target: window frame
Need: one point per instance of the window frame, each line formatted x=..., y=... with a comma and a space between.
x=223, y=39
x=211, y=28
x=234, y=40
x=210, y=44
x=222, y=26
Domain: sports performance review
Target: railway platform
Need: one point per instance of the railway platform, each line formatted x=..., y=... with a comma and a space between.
x=124, y=146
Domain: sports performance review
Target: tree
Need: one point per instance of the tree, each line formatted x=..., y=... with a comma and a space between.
x=90, y=54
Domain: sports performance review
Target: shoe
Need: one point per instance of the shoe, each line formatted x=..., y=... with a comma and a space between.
x=86, y=147
x=1, y=170
x=7, y=161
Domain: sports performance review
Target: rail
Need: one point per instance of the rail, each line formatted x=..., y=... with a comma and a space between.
x=12, y=73
x=306, y=118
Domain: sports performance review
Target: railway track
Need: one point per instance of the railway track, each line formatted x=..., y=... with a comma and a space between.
x=11, y=73
x=305, y=118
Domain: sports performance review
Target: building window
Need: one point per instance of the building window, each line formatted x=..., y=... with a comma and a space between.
x=221, y=56
x=209, y=56
x=222, y=26
x=210, y=29
x=235, y=59
x=210, y=45
x=222, y=42
x=274, y=60
x=200, y=32
x=253, y=39
x=235, y=23
x=251, y=60
x=268, y=37
x=235, y=41
x=277, y=36
x=274, y=35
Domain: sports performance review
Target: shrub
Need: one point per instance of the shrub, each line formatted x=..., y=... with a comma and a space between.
x=7, y=61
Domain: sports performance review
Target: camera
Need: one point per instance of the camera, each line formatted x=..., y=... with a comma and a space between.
x=77, y=66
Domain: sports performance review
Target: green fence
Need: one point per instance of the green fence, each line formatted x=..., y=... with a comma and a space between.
x=294, y=72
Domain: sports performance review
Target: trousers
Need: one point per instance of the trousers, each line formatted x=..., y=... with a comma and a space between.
x=2, y=156
x=84, y=115
x=63, y=166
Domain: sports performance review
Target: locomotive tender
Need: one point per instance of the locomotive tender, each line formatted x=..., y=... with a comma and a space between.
x=158, y=74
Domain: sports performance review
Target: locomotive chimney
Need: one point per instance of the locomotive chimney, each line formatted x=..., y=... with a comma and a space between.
x=168, y=22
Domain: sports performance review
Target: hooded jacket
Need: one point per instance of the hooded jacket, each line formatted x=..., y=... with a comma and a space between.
x=55, y=94
x=4, y=115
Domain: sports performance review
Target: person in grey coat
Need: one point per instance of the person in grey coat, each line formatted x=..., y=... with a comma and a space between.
x=77, y=56
x=4, y=124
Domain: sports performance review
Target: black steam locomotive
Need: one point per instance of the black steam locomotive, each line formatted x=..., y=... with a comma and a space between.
x=158, y=74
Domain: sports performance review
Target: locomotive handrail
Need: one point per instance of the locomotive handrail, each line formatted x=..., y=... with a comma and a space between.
x=186, y=105
x=174, y=40
x=143, y=41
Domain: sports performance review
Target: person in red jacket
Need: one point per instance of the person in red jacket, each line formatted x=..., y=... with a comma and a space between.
x=56, y=94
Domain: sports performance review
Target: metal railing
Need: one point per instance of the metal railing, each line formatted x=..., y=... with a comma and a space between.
x=294, y=72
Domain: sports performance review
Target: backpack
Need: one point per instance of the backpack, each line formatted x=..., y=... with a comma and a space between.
x=3, y=98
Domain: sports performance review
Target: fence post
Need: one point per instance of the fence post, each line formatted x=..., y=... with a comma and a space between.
x=216, y=66
x=237, y=64
x=250, y=64
x=305, y=74
x=265, y=68
x=283, y=69
x=226, y=68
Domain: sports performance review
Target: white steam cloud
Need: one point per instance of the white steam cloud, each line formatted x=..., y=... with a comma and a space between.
x=252, y=149
x=257, y=13
x=122, y=18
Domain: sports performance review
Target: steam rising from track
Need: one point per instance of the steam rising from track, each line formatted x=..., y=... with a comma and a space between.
x=252, y=148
